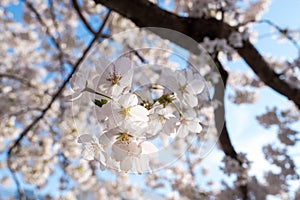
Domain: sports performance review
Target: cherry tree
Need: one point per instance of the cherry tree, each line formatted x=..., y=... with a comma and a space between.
x=107, y=99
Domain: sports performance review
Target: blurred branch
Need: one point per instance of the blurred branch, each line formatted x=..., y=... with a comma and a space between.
x=41, y=21
x=21, y=112
x=137, y=54
x=54, y=97
x=82, y=18
x=224, y=138
x=198, y=29
x=84, y=21
x=52, y=13
x=17, y=78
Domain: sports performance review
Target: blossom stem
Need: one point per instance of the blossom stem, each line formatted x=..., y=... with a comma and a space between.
x=178, y=109
x=87, y=89
x=139, y=96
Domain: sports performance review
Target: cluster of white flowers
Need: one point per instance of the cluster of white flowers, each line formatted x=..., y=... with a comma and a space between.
x=221, y=45
x=132, y=115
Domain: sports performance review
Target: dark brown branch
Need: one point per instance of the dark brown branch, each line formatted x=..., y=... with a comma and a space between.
x=146, y=14
x=55, y=96
x=224, y=138
x=266, y=74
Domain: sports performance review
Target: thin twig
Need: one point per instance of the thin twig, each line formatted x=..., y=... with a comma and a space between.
x=82, y=18
x=55, y=23
x=41, y=21
x=17, y=78
x=283, y=31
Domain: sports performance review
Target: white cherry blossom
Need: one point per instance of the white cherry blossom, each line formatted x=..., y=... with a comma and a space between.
x=133, y=155
x=157, y=118
x=117, y=77
x=126, y=113
x=189, y=123
x=184, y=84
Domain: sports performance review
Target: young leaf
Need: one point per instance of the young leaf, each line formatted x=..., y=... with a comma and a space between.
x=101, y=102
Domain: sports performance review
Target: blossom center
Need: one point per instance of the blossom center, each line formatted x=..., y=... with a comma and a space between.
x=183, y=89
x=124, y=137
x=125, y=112
x=114, y=78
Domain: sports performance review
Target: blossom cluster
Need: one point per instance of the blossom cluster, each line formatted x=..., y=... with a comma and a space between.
x=133, y=109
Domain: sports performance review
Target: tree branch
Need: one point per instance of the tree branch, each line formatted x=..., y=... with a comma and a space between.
x=17, y=78
x=138, y=11
x=41, y=21
x=82, y=18
x=55, y=96
x=224, y=138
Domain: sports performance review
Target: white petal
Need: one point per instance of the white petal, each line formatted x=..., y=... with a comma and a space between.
x=182, y=131
x=107, y=138
x=99, y=156
x=190, y=99
x=123, y=65
x=116, y=90
x=148, y=148
x=169, y=82
x=126, y=79
x=85, y=138
x=128, y=100
x=194, y=127
x=154, y=127
x=139, y=113
x=105, y=111
x=88, y=153
x=137, y=165
x=144, y=162
x=181, y=79
x=195, y=87
x=119, y=151
x=169, y=126
x=190, y=114
x=126, y=164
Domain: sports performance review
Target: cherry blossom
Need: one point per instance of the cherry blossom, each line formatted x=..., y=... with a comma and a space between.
x=116, y=77
x=184, y=84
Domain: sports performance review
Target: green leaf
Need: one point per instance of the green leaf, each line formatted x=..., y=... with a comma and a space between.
x=101, y=102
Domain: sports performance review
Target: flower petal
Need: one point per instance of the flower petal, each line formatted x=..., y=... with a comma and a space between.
x=190, y=99
x=139, y=113
x=182, y=131
x=194, y=126
x=128, y=100
x=126, y=164
x=85, y=138
x=148, y=148
x=195, y=86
